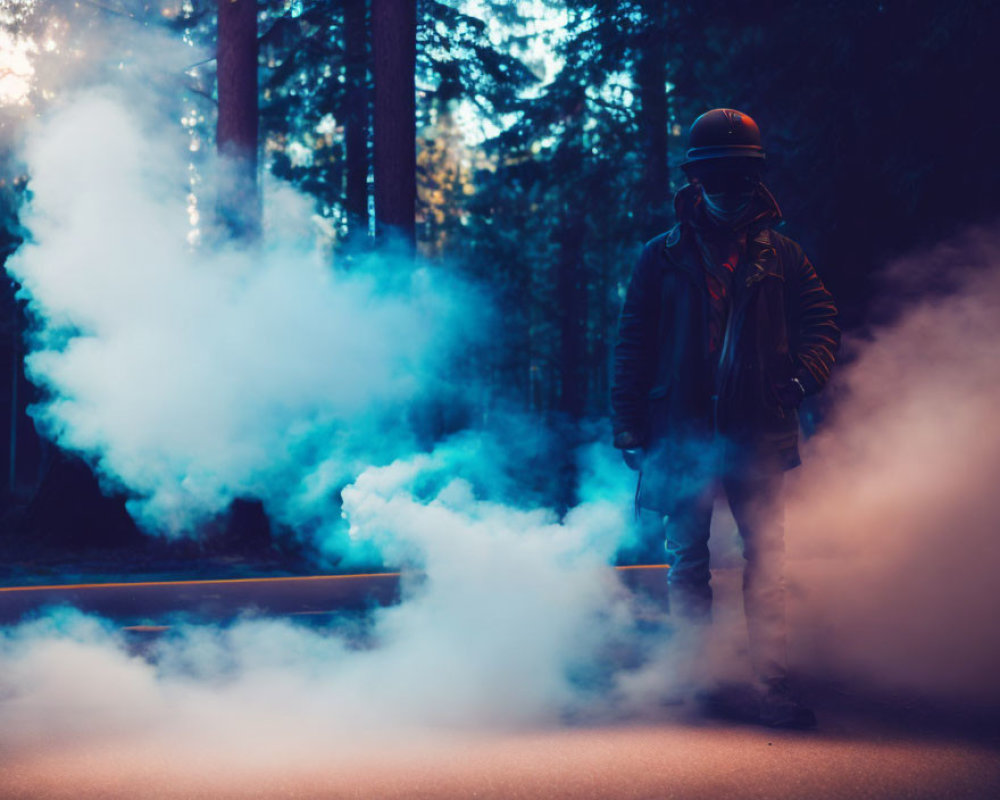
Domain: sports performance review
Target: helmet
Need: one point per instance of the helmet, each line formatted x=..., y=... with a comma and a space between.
x=723, y=133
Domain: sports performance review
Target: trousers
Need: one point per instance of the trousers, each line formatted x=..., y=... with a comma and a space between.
x=754, y=489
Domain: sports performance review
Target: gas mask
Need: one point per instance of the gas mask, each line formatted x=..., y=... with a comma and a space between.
x=727, y=194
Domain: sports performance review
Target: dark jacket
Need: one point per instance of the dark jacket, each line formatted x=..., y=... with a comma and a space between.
x=781, y=324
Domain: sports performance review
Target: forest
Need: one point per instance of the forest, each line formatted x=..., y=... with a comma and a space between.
x=533, y=147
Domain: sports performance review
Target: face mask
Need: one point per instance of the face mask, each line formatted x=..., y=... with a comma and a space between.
x=727, y=194
x=727, y=206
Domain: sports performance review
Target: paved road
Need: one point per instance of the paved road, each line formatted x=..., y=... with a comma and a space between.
x=153, y=601
x=669, y=759
x=674, y=754
x=207, y=599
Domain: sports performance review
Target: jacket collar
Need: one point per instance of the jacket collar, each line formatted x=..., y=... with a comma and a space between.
x=764, y=213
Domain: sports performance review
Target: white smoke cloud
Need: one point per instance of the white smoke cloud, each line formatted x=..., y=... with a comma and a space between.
x=197, y=375
x=194, y=376
x=505, y=614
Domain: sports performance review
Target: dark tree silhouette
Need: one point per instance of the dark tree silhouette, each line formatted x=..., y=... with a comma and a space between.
x=236, y=131
x=651, y=82
x=394, y=24
x=355, y=36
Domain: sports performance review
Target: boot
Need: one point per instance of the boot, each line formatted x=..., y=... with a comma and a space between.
x=780, y=708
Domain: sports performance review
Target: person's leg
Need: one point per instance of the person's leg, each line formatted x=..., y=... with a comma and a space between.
x=755, y=495
x=689, y=592
x=688, y=579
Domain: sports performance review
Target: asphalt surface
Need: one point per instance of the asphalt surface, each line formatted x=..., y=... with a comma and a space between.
x=859, y=750
x=133, y=602
x=670, y=759
x=211, y=600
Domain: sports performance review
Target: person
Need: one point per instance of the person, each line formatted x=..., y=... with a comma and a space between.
x=725, y=329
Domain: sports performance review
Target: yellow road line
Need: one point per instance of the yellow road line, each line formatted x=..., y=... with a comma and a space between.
x=226, y=581
x=205, y=582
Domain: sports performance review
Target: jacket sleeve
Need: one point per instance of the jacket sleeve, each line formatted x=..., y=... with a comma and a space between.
x=814, y=334
x=634, y=349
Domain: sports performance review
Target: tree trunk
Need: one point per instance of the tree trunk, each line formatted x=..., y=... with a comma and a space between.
x=571, y=302
x=651, y=81
x=356, y=118
x=394, y=27
x=236, y=132
x=239, y=202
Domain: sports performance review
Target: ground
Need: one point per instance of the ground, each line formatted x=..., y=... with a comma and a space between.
x=682, y=758
x=866, y=745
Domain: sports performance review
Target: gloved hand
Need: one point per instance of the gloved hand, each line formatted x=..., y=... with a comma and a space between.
x=633, y=458
x=790, y=394
x=631, y=448
x=626, y=440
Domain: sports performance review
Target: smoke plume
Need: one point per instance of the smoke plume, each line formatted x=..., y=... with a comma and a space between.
x=893, y=526
x=191, y=375
x=498, y=628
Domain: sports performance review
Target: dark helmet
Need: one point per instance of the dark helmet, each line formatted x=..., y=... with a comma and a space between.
x=723, y=133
